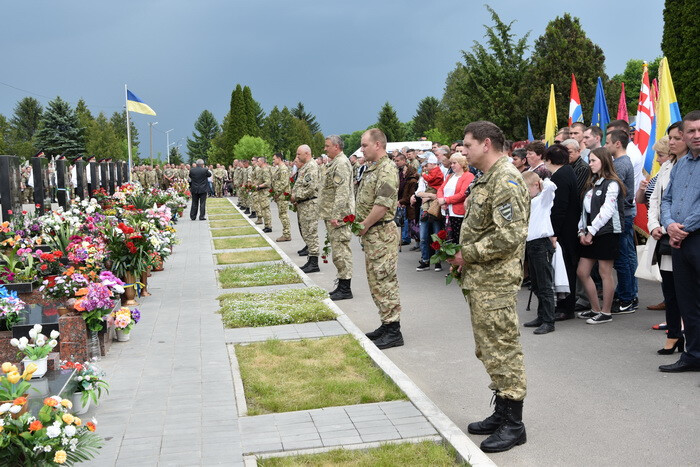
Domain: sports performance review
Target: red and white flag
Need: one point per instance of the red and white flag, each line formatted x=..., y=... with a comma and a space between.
x=622, y=106
x=645, y=114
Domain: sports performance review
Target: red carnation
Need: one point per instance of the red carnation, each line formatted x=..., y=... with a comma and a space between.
x=442, y=235
x=44, y=267
x=38, y=206
x=286, y=194
x=23, y=212
x=271, y=190
x=435, y=246
x=349, y=218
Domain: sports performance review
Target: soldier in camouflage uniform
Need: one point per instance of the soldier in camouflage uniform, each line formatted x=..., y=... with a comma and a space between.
x=305, y=196
x=337, y=201
x=280, y=186
x=377, y=199
x=219, y=174
x=493, y=247
x=169, y=175
x=264, y=185
x=151, y=177
x=255, y=194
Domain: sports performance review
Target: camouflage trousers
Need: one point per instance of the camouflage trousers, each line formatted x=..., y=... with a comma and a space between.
x=497, y=338
x=308, y=224
x=264, y=206
x=244, y=198
x=381, y=245
x=283, y=208
x=218, y=187
x=340, y=248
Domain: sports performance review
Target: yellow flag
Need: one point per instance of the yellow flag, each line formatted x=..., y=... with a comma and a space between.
x=550, y=128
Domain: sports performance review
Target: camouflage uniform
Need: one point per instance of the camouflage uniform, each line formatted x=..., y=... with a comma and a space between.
x=280, y=185
x=380, y=186
x=337, y=201
x=169, y=176
x=265, y=178
x=305, y=193
x=493, y=246
x=219, y=175
x=255, y=194
x=151, y=178
x=414, y=163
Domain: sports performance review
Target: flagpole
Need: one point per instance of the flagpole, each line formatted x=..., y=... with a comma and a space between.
x=128, y=127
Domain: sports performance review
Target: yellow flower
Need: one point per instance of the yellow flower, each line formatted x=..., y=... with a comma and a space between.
x=77, y=421
x=60, y=457
x=29, y=371
x=13, y=377
x=6, y=367
x=68, y=418
x=67, y=404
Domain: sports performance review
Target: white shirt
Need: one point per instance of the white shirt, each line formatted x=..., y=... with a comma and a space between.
x=449, y=190
x=637, y=160
x=606, y=210
x=540, y=225
x=444, y=170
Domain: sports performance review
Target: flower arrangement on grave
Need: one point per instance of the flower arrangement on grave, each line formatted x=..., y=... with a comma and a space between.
x=49, y=263
x=11, y=307
x=86, y=251
x=22, y=225
x=102, y=197
x=128, y=248
x=355, y=226
x=18, y=265
x=125, y=319
x=162, y=215
x=95, y=302
x=90, y=379
x=182, y=188
x=13, y=384
x=54, y=437
x=66, y=285
x=37, y=346
x=444, y=250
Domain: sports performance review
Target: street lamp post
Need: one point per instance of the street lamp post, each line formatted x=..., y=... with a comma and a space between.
x=167, y=142
x=150, y=131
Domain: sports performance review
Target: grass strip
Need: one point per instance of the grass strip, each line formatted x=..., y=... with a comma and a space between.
x=220, y=211
x=311, y=374
x=242, y=242
x=254, y=256
x=228, y=223
x=387, y=455
x=252, y=276
x=293, y=306
x=223, y=217
x=233, y=231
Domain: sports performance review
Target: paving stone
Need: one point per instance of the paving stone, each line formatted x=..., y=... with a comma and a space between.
x=342, y=441
x=302, y=444
x=377, y=429
x=335, y=427
x=339, y=433
x=385, y=436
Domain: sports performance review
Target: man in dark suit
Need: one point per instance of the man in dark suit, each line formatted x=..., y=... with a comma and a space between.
x=199, y=186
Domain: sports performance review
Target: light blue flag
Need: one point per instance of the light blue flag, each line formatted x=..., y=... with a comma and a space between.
x=601, y=116
x=530, y=137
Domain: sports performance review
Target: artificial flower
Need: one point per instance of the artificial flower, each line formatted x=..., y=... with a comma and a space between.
x=13, y=377
x=35, y=426
x=53, y=431
x=51, y=402
x=70, y=431
x=67, y=418
x=60, y=457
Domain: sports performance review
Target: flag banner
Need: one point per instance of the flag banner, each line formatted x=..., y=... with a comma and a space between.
x=530, y=136
x=134, y=104
x=667, y=110
x=622, y=106
x=601, y=116
x=575, y=109
x=644, y=135
x=550, y=127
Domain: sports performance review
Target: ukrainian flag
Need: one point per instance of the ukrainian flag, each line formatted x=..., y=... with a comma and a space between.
x=134, y=104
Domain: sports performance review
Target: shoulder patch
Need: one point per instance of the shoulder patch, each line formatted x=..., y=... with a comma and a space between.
x=513, y=182
x=506, y=210
x=307, y=178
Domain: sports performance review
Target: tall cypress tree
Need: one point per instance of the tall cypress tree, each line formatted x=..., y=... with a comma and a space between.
x=237, y=120
x=681, y=31
x=61, y=132
x=389, y=123
x=251, y=109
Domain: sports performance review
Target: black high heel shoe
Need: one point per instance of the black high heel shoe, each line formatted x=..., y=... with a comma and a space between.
x=678, y=345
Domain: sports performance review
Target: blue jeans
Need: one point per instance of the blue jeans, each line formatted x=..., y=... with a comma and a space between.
x=626, y=263
x=405, y=233
x=427, y=228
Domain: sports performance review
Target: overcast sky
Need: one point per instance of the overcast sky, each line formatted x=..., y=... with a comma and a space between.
x=342, y=59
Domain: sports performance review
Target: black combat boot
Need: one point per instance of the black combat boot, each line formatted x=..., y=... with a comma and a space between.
x=311, y=265
x=304, y=251
x=511, y=432
x=342, y=292
x=377, y=333
x=246, y=211
x=391, y=338
x=491, y=423
x=252, y=215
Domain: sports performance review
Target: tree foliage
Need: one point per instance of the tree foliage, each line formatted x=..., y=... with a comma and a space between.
x=426, y=115
x=60, y=132
x=251, y=146
x=389, y=123
x=118, y=122
x=206, y=129
x=488, y=85
x=678, y=43
x=251, y=109
x=102, y=140
x=632, y=77
x=26, y=119
x=300, y=112
x=352, y=141
x=563, y=49
x=318, y=143
x=436, y=136
x=175, y=156
x=236, y=123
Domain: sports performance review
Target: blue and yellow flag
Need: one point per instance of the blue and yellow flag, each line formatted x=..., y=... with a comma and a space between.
x=667, y=110
x=134, y=104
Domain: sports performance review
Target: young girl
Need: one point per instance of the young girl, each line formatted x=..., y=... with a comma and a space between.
x=599, y=233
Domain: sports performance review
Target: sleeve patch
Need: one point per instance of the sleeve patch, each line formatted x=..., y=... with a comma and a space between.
x=385, y=190
x=506, y=210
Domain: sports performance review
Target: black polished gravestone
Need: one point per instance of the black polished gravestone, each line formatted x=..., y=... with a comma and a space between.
x=81, y=188
x=47, y=316
x=112, y=177
x=125, y=172
x=104, y=178
x=10, y=186
x=94, y=180
x=62, y=195
x=42, y=187
x=119, y=173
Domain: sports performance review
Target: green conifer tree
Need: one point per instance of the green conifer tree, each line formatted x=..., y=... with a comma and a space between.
x=389, y=123
x=61, y=132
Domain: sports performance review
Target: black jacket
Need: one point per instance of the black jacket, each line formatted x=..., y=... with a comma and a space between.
x=567, y=204
x=198, y=180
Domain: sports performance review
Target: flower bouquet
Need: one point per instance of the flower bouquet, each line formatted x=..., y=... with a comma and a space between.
x=124, y=320
x=95, y=302
x=14, y=387
x=356, y=227
x=54, y=437
x=10, y=308
x=36, y=349
x=90, y=380
x=66, y=285
x=444, y=250
x=49, y=263
x=18, y=267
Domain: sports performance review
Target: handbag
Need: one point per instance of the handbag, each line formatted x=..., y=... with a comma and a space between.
x=434, y=211
x=647, y=266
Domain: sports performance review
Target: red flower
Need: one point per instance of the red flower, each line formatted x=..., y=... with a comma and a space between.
x=58, y=253
x=35, y=426
x=23, y=212
x=9, y=211
x=435, y=246
x=271, y=190
x=286, y=194
x=349, y=218
x=44, y=267
x=130, y=245
x=132, y=250
x=442, y=235
x=38, y=206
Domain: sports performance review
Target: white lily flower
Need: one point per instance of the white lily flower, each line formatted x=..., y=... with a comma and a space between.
x=40, y=341
x=53, y=343
x=5, y=407
x=32, y=333
x=15, y=408
x=23, y=341
x=55, y=334
x=14, y=342
x=21, y=346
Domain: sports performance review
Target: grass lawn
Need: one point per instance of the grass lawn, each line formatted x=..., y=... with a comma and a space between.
x=311, y=374
x=305, y=305
x=387, y=455
x=222, y=211
x=258, y=275
x=227, y=223
x=233, y=231
x=242, y=242
x=254, y=256
x=219, y=202
x=224, y=216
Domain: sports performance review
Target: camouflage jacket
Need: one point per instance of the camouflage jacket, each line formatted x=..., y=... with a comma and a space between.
x=337, y=200
x=307, y=184
x=280, y=179
x=494, y=230
x=379, y=186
